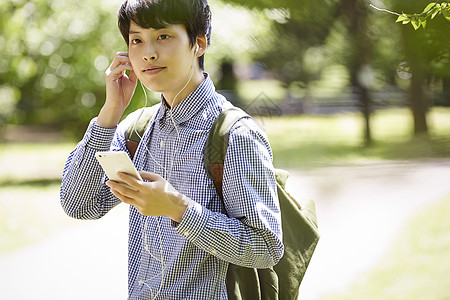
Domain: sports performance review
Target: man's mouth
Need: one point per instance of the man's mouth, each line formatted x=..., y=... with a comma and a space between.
x=153, y=70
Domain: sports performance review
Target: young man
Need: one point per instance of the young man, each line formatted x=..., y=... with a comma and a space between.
x=182, y=236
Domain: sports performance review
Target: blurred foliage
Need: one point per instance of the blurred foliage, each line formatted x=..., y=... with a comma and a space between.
x=433, y=44
x=430, y=48
x=292, y=49
x=427, y=54
x=55, y=53
x=54, y=57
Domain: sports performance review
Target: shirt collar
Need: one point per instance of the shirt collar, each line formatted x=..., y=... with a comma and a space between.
x=193, y=103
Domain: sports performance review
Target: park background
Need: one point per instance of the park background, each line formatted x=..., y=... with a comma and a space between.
x=356, y=106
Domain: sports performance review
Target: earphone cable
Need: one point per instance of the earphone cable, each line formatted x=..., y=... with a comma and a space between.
x=168, y=177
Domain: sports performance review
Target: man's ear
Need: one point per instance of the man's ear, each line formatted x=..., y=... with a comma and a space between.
x=202, y=43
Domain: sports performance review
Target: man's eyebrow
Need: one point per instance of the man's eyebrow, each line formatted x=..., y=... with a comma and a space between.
x=138, y=32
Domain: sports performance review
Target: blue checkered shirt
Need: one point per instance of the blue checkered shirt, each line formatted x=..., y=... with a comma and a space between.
x=186, y=260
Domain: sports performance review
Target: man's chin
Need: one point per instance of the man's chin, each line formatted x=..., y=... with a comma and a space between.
x=151, y=87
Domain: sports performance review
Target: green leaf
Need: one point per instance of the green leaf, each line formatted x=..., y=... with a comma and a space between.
x=415, y=23
x=446, y=14
x=402, y=18
x=435, y=12
x=423, y=21
x=429, y=6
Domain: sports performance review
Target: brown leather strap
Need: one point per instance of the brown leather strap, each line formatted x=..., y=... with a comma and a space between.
x=132, y=147
x=217, y=176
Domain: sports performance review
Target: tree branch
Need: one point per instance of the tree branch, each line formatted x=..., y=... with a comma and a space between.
x=385, y=10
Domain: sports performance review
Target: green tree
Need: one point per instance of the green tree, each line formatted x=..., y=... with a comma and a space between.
x=54, y=55
x=426, y=53
x=286, y=51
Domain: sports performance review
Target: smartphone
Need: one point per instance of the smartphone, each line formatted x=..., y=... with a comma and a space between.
x=114, y=162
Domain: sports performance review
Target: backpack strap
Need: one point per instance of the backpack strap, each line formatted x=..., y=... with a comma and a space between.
x=241, y=282
x=136, y=129
x=217, y=143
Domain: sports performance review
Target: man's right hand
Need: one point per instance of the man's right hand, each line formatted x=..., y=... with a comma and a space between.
x=119, y=90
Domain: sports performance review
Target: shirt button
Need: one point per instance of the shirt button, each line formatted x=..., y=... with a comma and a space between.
x=161, y=144
x=214, y=252
x=186, y=234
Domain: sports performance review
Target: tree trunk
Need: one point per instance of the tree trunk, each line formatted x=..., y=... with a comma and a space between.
x=446, y=91
x=366, y=110
x=415, y=57
x=357, y=14
x=418, y=104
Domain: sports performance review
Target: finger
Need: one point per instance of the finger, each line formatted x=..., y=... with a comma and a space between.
x=130, y=180
x=121, y=53
x=120, y=60
x=150, y=176
x=118, y=71
x=123, y=198
x=123, y=189
x=119, y=68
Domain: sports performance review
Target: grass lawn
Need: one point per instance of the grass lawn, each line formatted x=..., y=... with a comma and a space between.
x=30, y=177
x=417, y=265
x=30, y=213
x=315, y=141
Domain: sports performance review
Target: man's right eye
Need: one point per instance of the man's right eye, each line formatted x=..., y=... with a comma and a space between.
x=136, y=41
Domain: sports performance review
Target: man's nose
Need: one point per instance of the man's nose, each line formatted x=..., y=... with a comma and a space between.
x=150, y=53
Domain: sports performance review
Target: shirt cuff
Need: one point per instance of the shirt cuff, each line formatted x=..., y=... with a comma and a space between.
x=194, y=221
x=99, y=138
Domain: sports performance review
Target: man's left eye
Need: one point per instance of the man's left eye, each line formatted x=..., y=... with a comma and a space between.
x=164, y=37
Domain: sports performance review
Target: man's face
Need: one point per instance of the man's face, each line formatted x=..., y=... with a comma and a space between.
x=161, y=58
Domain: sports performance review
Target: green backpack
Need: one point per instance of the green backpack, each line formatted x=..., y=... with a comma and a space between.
x=299, y=221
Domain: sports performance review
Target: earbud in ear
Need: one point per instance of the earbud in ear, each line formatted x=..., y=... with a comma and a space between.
x=196, y=49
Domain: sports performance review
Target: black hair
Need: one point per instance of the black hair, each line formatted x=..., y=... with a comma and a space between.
x=195, y=15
